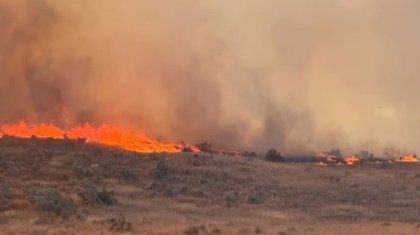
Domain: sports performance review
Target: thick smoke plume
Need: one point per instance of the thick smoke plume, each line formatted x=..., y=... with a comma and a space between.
x=300, y=76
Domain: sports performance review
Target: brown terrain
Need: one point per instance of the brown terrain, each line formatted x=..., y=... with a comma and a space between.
x=70, y=187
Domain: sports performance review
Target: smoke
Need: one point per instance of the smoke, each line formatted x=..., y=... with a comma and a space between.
x=300, y=76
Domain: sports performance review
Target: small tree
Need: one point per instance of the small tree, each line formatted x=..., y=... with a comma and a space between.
x=273, y=156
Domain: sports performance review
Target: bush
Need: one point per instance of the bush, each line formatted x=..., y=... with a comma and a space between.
x=161, y=170
x=230, y=198
x=336, y=153
x=130, y=176
x=90, y=195
x=81, y=171
x=365, y=155
x=5, y=197
x=51, y=201
x=195, y=230
x=249, y=154
x=106, y=197
x=117, y=225
x=120, y=225
x=187, y=148
x=255, y=197
x=205, y=146
x=273, y=156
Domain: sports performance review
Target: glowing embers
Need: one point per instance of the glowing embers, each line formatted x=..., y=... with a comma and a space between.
x=104, y=134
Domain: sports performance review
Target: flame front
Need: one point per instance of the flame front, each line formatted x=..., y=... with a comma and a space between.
x=410, y=158
x=333, y=160
x=351, y=160
x=104, y=134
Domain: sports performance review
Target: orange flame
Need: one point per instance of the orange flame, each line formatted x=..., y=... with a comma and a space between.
x=104, y=134
x=351, y=160
x=410, y=158
x=333, y=160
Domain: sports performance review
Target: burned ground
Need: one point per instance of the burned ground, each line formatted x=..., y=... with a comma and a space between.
x=67, y=187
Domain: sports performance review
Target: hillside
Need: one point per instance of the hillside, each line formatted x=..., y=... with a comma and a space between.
x=71, y=187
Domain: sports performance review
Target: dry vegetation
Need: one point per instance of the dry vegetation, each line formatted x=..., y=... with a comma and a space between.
x=69, y=187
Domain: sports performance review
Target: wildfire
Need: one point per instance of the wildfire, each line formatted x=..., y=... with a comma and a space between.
x=410, y=158
x=104, y=134
x=333, y=160
x=351, y=160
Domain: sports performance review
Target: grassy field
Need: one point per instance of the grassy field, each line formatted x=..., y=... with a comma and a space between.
x=70, y=187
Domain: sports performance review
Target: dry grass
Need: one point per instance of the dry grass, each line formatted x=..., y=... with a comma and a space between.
x=201, y=193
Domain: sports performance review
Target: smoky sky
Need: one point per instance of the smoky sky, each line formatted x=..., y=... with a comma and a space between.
x=300, y=76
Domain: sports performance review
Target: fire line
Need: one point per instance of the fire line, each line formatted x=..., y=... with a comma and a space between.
x=104, y=134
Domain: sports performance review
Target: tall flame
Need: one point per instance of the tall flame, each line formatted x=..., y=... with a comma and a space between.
x=104, y=134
